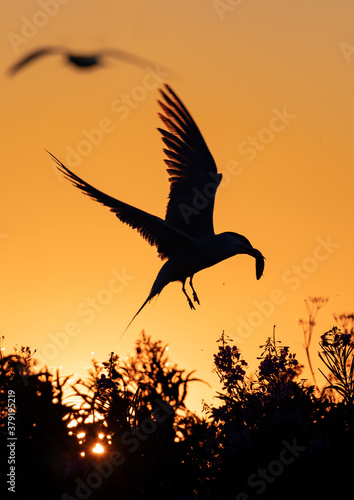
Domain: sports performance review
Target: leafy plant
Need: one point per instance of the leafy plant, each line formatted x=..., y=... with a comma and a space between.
x=338, y=355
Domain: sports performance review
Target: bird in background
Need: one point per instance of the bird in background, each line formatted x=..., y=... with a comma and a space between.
x=82, y=61
x=186, y=237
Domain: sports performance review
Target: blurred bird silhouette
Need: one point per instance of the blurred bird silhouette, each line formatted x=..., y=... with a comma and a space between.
x=186, y=236
x=82, y=61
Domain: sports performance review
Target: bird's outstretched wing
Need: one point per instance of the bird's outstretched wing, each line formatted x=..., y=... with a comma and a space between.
x=193, y=174
x=127, y=57
x=168, y=240
x=32, y=56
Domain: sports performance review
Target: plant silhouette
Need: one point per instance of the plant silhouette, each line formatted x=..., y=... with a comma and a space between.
x=129, y=434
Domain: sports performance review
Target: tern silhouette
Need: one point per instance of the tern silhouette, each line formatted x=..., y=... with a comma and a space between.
x=186, y=236
x=82, y=61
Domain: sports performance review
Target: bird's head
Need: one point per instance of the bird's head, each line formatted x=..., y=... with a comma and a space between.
x=242, y=245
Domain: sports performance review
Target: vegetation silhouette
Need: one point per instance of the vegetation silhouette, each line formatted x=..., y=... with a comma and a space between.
x=268, y=435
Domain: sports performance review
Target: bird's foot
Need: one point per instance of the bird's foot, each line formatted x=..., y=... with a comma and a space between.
x=191, y=305
x=195, y=297
x=187, y=296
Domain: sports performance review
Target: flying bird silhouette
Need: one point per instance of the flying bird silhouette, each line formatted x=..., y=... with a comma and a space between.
x=82, y=61
x=186, y=236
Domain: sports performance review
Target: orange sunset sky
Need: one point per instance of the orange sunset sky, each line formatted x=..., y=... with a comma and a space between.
x=270, y=85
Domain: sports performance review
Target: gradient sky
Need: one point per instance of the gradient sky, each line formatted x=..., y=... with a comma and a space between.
x=270, y=85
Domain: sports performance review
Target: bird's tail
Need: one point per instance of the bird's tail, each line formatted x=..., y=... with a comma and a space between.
x=135, y=315
x=156, y=289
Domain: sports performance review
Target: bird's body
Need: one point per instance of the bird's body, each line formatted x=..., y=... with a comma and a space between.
x=185, y=264
x=208, y=251
x=186, y=236
x=86, y=61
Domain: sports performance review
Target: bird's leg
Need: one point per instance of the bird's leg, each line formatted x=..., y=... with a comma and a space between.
x=195, y=296
x=186, y=294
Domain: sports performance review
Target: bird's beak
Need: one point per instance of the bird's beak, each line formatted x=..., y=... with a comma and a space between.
x=259, y=261
x=259, y=265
